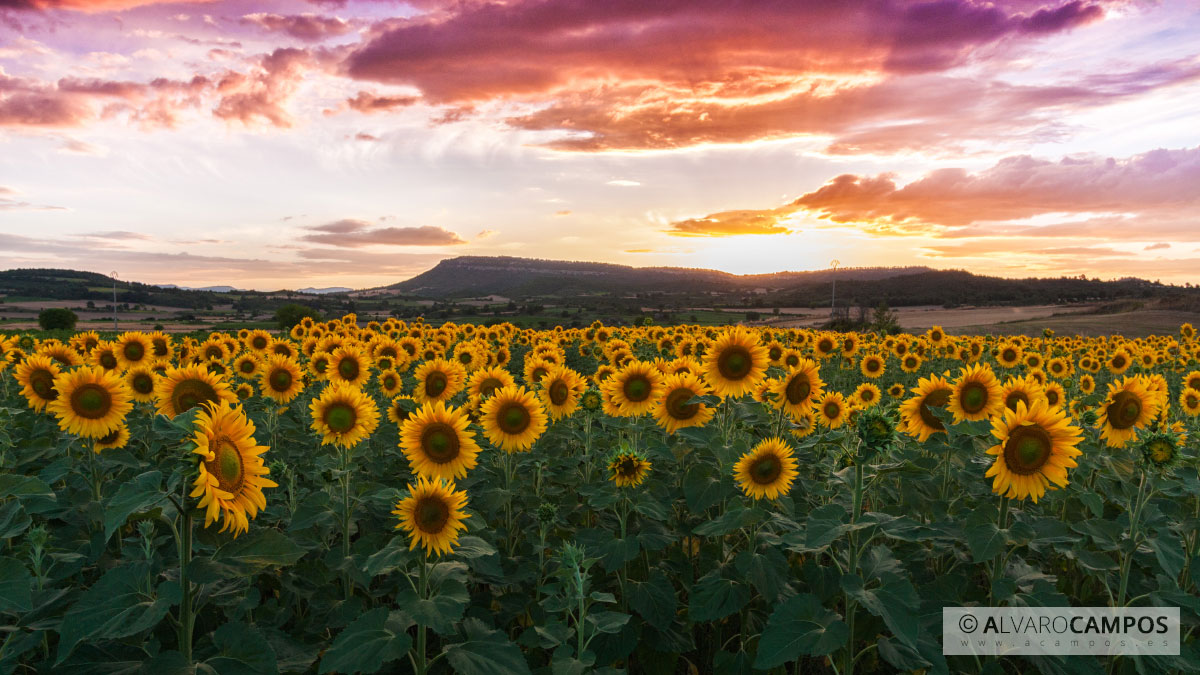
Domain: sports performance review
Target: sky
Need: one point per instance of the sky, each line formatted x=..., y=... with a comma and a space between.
x=273, y=144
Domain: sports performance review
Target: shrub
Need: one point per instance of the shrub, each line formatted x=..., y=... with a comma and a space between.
x=290, y=314
x=57, y=318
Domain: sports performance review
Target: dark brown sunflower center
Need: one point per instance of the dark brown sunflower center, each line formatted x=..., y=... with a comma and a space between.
x=832, y=410
x=910, y=362
x=110, y=438
x=775, y=353
x=513, y=418
x=1008, y=355
x=735, y=363
x=825, y=346
x=798, y=389
x=677, y=404
x=42, y=384
x=190, y=393
x=1193, y=383
x=936, y=399
x=1125, y=410
x=1052, y=397
x=637, y=388
x=246, y=367
x=440, y=442
x=627, y=467
x=766, y=470
x=1118, y=361
x=559, y=392
x=134, y=351
x=281, y=380
x=108, y=361
x=872, y=365
x=91, y=401
x=791, y=361
x=538, y=373
x=866, y=395
x=431, y=514
x=1015, y=397
x=259, y=342
x=465, y=358
x=348, y=368
x=489, y=386
x=214, y=352
x=1027, y=449
x=340, y=417
x=435, y=383
x=142, y=383
x=160, y=347
x=389, y=382
x=320, y=365
x=226, y=464
x=974, y=397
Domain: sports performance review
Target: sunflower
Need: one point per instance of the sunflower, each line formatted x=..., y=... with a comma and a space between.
x=389, y=381
x=1054, y=393
x=470, y=356
x=214, y=349
x=1021, y=390
x=349, y=365
x=1192, y=380
x=487, y=381
x=185, y=388
x=804, y=423
x=628, y=468
x=1009, y=355
x=84, y=343
x=280, y=379
x=401, y=408
x=1087, y=384
x=635, y=388
x=258, y=341
x=64, y=355
x=1129, y=406
x=247, y=365
x=36, y=375
x=1189, y=400
x=141, y=381
x=917, y=412
x=160, y=345
x=343, y=415
x=244, y=391
x=113, y=440
x=824, y=346
x=232, y=474
x=432, y=514
x=1160, y=448
x=799, y=387
x=1036, y=447
x=977, y=394
x=673, y=412
x=591, y=400
x=1119, y=362
x=910, y=362
x=513, y=419
x=560, y=392
x=767, y=470
x=91, y=402
x=438, y=380
x=896, y=390
x=832, y=409
x=866, y=395
x=872, y=366
x=535, y=369
x=735, y=363
x=437, y=442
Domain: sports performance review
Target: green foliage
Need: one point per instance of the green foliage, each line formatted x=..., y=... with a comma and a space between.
x=291, y=314
x=57, y=318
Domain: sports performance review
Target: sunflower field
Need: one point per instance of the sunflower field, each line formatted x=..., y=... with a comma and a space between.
x=400, y=497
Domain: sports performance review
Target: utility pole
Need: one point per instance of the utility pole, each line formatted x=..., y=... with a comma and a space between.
x=114, y=278
x=833, y=265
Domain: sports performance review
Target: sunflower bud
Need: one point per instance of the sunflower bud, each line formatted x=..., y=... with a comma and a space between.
x=1159, y=448
x=876, y=430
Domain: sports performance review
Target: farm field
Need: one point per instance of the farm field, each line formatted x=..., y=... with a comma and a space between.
x=391, y=496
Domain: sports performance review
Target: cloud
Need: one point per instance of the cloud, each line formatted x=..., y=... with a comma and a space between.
x=622, y=182
x=9, y=203
x=115, y=235
x=88, y=5
x=1017, y=187
x=342, y=226
x=367, y=102
x=484, y=234
x=1157, y=247
x=262, y=93
x=354, y=234
x=307, y=27
x=564, y=212
x=729, y=223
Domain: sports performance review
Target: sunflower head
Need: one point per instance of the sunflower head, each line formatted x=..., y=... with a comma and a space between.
x=343, y=415
x=513, y=419
x=91, y=402
x=977, y=394
x=36, y=375
x=231, y=473
x=675, y=411
x=437, y=442
x=876, y=429
x=432, y=514
x=767, y=470
x=628, y=468
x=1160, y=448
x=280, y=379
x=832, y=409
x=1035, y=447
x=736, y=362
x=1129, y=407
x=182, y=389
x=917, y=412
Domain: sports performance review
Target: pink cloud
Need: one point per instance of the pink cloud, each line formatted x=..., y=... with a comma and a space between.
x=352, y=233
x=307, y=27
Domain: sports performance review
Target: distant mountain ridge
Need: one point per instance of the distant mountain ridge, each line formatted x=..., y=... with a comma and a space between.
x=469, y=276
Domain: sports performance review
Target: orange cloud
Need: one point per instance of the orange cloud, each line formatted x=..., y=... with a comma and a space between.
x=730, y=223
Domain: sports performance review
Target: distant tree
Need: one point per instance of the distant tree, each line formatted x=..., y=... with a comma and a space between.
x=91, y=305
x=57, y=318
x=752, y=316
x=885, y=321
x=290, y=314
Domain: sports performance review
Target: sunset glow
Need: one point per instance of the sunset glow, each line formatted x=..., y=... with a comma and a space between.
x=287, y=143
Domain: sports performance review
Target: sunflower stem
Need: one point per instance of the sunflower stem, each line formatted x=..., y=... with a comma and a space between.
x=95, y=469
x=1134, y=520
x=344, y=479
x=422, y=663
x=186, y=616
x=997, y=564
